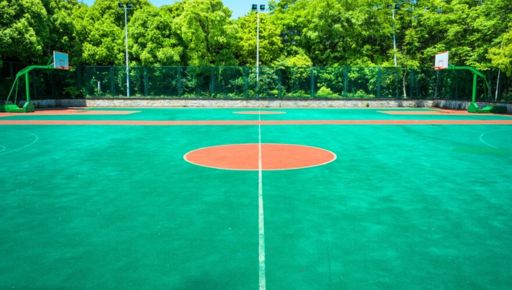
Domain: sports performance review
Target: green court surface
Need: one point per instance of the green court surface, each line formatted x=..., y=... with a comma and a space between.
x=111, y=206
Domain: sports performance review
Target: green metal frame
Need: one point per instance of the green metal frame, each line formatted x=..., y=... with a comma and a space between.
x=11, y=105
x=473, y=106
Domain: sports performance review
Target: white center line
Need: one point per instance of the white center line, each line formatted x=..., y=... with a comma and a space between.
x=261, y=215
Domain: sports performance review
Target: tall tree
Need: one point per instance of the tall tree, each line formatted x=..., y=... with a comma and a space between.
x=24, y=29
x=154, y=36
x=103, y=26
x=501, y=54
x=208, y=32
x=62, y=29
x=270, y=39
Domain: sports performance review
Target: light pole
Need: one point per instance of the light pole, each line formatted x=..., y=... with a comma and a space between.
x=394, y=7
x=258, y=9
x=126, y=6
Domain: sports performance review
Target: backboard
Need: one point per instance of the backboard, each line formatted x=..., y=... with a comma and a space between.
x=60, y=60
x=441, y=61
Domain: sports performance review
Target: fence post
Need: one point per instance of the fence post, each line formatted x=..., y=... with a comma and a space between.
x=112, y=80
x=52, y=81
x=312, y=82
x=345, y=80
x=78, y=77
x=280, y=83
x=412, y=83
x=246, y=82
x=212, y=81
x=397, y=82
x=379, y=81
x=180, y=81
x=146, y=81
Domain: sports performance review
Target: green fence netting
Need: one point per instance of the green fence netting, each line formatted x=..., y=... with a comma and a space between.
x=234, y=82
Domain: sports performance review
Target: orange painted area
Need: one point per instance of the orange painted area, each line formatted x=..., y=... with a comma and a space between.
x=260, y=112
x=247, y=123
x=64, y=112
x=273, y=157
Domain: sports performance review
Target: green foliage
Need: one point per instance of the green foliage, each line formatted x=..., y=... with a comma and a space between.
x=104, y=44
x=24, y=28
x=207, y=32
x=62, y=36
x=295, y=37
x=501, y=55
x=299, y=60
x=102, y=29
x=324, y=92
x=293, y=33
x=270, y=40
x=154, y=37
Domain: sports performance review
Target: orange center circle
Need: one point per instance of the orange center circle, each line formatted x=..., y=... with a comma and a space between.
x=259, y=112
x=273, y=156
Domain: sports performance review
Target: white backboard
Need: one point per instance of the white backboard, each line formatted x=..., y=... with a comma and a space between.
x=441, y=61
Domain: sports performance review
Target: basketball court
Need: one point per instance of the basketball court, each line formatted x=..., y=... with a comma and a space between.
x=151, y=198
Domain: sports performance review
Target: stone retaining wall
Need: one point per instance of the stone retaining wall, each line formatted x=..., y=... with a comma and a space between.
x=182, y=103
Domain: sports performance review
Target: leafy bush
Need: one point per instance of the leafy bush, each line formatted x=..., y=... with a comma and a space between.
x=325, y=92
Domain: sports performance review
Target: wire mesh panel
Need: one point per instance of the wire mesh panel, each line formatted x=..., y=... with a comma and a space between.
x=269, y=83
x=231, y=82
x=99, y=81
x=274, y=82
x=295, y=82
x=364, y=82
x=163, y=81
x=196, y=82
x=330, y=82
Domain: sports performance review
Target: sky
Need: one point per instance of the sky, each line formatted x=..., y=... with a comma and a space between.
x=239, y=7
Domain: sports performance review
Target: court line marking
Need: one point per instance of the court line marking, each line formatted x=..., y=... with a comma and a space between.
x=261, y=215
x=36, y=138
x=249, y=123
x=482, y=139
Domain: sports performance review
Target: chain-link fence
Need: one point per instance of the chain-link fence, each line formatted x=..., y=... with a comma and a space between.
x=232, y=82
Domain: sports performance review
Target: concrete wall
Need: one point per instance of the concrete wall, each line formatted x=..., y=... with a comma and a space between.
x=181, y=103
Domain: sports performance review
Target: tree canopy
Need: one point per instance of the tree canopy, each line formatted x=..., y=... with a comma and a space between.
x=293, y=32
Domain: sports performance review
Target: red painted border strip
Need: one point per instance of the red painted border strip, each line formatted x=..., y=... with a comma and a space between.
x=241, y=123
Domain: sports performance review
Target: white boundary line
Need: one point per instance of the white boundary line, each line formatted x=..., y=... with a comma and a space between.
x=261, y=215
x=36, y=138
x=483, y=141
x=481, y=138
